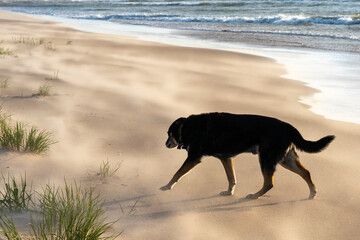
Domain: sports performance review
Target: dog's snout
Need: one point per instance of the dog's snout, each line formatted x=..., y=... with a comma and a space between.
x=170, y=144
x=167, y=144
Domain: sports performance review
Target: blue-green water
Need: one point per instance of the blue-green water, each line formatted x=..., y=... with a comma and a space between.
x=333, y=24
x=318, y=41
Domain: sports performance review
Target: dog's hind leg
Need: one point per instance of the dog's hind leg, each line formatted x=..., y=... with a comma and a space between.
x=268, y=163
x=268, y=175
x=292, y=163
x=230, y=173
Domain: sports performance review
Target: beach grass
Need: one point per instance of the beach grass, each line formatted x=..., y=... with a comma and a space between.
x=15, y=195
x=43, y=90
x=8, y=228
x=71, y=212
x=106, y=170
x=4, y=83
x=4, y=117
x=56, y=75
x=48, y=45
x=27, y=40
x=20, y=138
x=5, y=51
x=12, y=137
x=37, y=141
x=132, y=209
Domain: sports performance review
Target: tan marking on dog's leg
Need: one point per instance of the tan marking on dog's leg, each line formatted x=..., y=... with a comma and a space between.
x=268, y=184
x=292, y=163
x=184, y=169
x=230, y=174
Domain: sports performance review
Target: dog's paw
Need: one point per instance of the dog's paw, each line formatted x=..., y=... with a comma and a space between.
x=312, y=194
x=164, y=188
x=252, y=196
x=226, y=193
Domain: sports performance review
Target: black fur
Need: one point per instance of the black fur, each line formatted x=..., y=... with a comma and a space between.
x=225, y=135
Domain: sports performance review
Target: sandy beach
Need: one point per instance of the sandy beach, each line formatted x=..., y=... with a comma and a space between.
x=114, y=97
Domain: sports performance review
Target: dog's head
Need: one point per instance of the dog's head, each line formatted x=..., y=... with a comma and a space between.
x=174, y=134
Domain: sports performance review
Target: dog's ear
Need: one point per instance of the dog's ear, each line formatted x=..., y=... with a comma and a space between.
x=178, y=124
x=175, y=126
x=179, y=121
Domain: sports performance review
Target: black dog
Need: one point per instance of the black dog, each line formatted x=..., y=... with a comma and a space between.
x=225, y=135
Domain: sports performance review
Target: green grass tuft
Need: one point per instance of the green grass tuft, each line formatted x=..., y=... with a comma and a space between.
x=43, y=90
x=3, y=116
x=8, y=228
x=15, y=196
x=34, y=42
x=12, y=137
x=5, y=51
x=4, y=83
x=65, y=213
x=105, y=170
x=28, y=40
x=71, y=213
x=49, y=46
x=18, y=138
x=37, y=141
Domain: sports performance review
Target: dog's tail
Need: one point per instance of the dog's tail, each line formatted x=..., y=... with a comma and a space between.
x=309, y=146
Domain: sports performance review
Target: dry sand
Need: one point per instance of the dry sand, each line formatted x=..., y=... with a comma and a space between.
x=114, y=98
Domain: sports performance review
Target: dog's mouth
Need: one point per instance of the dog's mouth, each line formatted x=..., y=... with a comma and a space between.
x=171, y=142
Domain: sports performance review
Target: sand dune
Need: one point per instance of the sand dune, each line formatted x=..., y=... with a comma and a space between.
x=114, y=97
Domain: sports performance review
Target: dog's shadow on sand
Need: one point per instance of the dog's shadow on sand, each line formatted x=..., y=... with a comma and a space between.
x=243, y=204
x=238, y=205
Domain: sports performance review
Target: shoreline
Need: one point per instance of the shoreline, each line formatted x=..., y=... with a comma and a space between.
x=302, y=64
x=113, y=98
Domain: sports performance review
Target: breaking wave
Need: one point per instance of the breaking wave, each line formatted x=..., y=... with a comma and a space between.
x=277, y=19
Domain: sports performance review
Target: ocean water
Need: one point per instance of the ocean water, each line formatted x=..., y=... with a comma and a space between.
x=330, y=24
x=318, y=41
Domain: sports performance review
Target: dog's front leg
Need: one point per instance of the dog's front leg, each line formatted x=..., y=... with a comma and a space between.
x=189, y=164
x=230, y=173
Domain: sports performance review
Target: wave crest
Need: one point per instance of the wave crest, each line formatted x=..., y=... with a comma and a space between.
x=277, y=19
